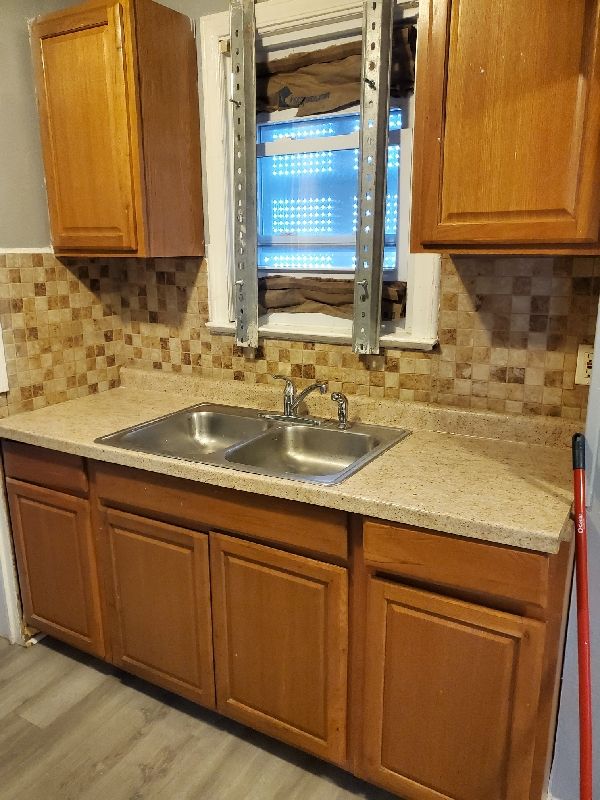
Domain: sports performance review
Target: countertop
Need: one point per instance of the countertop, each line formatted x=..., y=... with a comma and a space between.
x=492, y=489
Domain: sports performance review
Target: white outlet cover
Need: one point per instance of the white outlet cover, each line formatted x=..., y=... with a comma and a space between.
x=583, y=372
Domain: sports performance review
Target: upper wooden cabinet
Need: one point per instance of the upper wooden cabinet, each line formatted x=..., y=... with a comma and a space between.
x=118, y=102
x=507, y=130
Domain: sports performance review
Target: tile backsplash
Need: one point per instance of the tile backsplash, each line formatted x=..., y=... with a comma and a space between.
x=509, y=331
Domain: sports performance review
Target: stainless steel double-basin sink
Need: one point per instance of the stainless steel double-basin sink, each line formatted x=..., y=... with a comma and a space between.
x=246, y=440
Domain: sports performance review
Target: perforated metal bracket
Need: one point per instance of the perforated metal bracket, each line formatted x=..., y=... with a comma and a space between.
x=243, y=98
x=373, y=151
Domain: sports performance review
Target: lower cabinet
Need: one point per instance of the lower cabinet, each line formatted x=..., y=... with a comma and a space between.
x=451, y=696
x=281, y=635
x=158, y=592
x=57, y=565
x=441, y=698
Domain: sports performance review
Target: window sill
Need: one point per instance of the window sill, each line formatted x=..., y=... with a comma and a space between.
x=399, y=339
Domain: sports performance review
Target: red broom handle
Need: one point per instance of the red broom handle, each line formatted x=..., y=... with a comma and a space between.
x=583, y=622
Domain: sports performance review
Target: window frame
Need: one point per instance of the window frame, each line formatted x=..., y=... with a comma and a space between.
x=285, y=24
x=337, y=143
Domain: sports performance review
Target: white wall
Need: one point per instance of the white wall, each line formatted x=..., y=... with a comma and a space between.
x=565, y=771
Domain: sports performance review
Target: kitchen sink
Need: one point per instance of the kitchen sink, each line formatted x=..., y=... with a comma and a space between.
x=243, y=439
x=298, y=450
x=191, y=433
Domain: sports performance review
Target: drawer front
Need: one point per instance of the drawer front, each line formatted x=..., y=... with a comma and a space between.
x=308, y=529
x=50, y=468
x=455, y=563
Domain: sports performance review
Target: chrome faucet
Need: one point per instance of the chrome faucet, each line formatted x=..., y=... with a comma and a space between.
x=291, y=401
x=342, y=409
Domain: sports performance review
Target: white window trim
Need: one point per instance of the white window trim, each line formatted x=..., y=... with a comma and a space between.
x=285, y=23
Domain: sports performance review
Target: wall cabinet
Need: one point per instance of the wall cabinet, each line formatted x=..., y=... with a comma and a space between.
x=507, y=130
x=118, y=104
x=449, y=685
x=425, y=663
x=281, y=633
x=158, y=592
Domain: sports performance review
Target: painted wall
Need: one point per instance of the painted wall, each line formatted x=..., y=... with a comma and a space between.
x=565, y=772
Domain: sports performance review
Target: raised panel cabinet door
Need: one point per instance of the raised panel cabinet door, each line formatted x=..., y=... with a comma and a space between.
x=57, y=564
x=281, y=642
x=451, y=697
x=84, y=66
x=158, y=590
x=507, y=129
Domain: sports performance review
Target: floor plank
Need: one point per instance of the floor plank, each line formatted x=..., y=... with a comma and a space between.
x=73, y=728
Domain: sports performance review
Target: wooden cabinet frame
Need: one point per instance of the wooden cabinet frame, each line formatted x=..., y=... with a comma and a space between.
x=136, y=117
x=279, y=714
x=132, y=544
x=457, y=83
x=359, y=568
x=70, y=554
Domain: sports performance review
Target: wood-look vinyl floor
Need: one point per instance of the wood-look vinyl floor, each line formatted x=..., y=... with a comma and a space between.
x=73, y=728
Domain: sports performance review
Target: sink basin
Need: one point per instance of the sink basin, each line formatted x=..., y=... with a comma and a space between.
x=190, y=434
x=242, y=439
x=297, y=450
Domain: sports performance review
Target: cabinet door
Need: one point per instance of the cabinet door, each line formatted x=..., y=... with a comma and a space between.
x=507, y=132
x=281, y=630
x=83, y=63
x=158, y=590
x=451, y=697
x=57, y=564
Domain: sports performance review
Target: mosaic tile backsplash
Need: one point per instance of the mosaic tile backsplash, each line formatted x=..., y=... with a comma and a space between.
x=509, y=332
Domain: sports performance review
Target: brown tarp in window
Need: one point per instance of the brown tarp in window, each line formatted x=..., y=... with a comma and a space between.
x=324, y=295
x=327, y=80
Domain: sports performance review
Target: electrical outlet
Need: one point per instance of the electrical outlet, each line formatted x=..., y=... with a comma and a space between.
x=585, y=356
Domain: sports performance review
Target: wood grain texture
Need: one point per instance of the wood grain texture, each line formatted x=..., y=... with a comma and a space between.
x=451, y=695
x=281, y=644
x=117, y=737
x=56, y=561
x=118, y=103
x=168, y=88
x=49, y=468
x=84, y=62
x=158, y=587
x=507, y=130
x=300, y=526
x=465, y=566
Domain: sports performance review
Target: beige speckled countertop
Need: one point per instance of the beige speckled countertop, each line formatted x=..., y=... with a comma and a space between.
x=449, y=475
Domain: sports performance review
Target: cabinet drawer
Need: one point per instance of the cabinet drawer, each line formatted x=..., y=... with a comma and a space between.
x=455, y=563
x=51, y=468
x=308, y=529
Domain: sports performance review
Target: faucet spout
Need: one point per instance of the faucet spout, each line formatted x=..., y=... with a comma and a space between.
x=320, y=386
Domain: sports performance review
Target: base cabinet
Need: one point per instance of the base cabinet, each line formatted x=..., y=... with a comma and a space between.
x=451, y=696
x=158, y=591
x=57, y=565
x=281, y=631
x=447, y=691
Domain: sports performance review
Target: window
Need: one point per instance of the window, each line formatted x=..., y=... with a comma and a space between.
x=308, y=194
x=297, y=158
